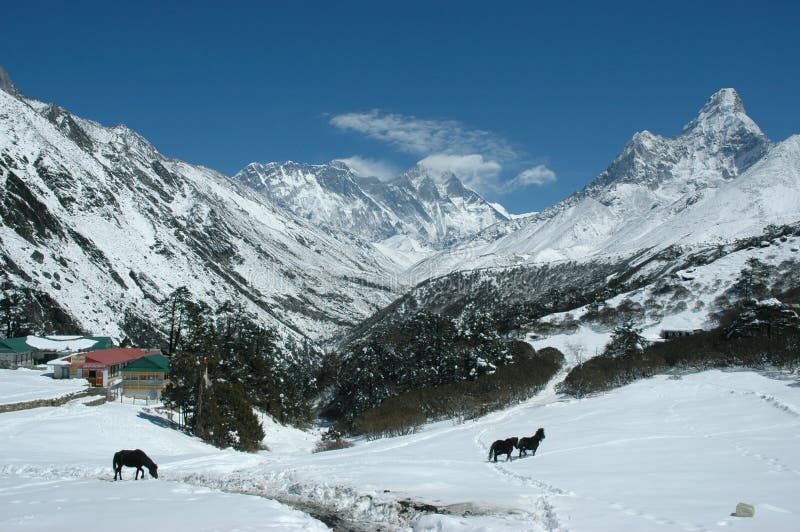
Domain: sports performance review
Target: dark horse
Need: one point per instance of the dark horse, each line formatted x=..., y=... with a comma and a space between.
x=505, y=447
x=530, y=444
x=135, y=459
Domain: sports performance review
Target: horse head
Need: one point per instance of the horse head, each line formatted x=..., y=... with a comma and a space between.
x=539, y=434
x=153, y=470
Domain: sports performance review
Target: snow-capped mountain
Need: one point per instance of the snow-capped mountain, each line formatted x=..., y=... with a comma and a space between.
x=99, y=220
x=103, y=224
x=407, y=218
x=720, y=179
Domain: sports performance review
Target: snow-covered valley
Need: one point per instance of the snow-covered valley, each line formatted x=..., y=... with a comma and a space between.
x=673, y=452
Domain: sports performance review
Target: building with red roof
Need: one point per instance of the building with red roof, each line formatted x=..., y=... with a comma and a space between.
x=103, y=367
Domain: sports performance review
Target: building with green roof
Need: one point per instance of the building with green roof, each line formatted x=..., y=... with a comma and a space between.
x=15, y=353
x=31, y=350
x=145, y=377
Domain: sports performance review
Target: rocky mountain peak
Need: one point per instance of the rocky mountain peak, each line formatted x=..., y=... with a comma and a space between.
x=6, y=84
x=724, y=100
x=723, y=115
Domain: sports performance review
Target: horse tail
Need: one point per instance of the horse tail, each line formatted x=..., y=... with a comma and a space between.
x=491, y=450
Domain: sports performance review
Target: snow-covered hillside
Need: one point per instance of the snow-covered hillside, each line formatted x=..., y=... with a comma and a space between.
x=406, y=219
x=720, y=179
x=104, y=224
x=668, y=453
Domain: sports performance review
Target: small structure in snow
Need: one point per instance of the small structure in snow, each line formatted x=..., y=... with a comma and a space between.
x=676, y=333
x=59, y=367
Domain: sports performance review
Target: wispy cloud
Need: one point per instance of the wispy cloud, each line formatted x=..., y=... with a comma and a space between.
x=425, y=137
x=536, y=175
x=475, y=171
x=479, y=158
x=366, y=167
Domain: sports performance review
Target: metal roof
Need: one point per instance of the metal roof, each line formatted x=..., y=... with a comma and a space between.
x=156, y=362
x=117, y=355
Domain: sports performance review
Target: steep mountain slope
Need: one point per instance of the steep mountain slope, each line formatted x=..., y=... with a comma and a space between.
x=720, y=179
x=104, y=224
x=405, y=219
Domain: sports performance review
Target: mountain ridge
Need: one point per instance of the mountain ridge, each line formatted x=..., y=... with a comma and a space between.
x=638, y=200
x=419, y=208
x=104, y=224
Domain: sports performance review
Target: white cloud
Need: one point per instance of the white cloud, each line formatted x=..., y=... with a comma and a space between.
x=475, y=156
x=366, y=167
x=537, y=175
x=475, y=171
x=424, y=137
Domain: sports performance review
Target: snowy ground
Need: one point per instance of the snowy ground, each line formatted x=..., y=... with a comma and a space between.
x=20, y=385
x=662, y=454
x=55, y=473
x=74, y=504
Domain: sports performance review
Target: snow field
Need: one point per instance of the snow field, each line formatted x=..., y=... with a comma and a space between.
x=667, y=453
x=21, y=385
x=55, y=473
x=72, y=504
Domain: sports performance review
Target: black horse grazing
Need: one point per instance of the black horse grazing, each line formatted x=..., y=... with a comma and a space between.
x=530, y=444
x=135, y=459
x=505, y=447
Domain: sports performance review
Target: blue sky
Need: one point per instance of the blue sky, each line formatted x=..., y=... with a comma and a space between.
x=528, y=101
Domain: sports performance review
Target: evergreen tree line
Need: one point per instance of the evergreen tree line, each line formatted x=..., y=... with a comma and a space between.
x=423, y=350
x=224, y=364
x=402, y=414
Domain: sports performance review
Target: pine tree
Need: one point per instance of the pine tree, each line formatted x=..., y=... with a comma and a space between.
x=225, y=364
x=173, y=313
x=753, y=281
x=626, y=340
x=230, y=418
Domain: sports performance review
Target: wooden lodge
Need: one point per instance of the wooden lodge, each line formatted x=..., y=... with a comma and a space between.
x=145, y=377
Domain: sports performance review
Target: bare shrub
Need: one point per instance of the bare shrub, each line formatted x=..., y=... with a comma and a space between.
x=332, y=445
